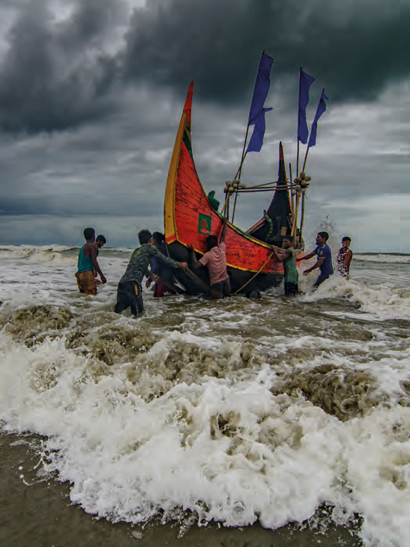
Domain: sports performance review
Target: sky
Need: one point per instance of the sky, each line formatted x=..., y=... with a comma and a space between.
x=91, y=94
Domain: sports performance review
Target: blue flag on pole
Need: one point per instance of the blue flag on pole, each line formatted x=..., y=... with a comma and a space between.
x=257, y=111
x=305, y=81
x=255, y=144
x=321, y=107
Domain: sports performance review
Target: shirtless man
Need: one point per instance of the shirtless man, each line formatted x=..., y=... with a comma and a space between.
x=88, y=263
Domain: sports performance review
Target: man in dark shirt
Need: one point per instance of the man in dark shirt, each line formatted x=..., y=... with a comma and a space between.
x=129, y=293
x=324, y=259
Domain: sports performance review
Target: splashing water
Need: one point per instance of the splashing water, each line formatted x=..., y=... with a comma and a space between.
x=232, y=410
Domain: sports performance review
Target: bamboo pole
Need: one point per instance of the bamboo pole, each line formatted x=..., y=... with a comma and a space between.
x=302, y=217
x=258, y=190
x=293, y=232
x=297, y=159
x=239, y=171
x=305, y=160
x=226, y=203
x=234, y=207
x=297, y=128
x=292, y=200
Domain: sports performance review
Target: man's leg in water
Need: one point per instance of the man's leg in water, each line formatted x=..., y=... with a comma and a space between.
x=137, y=304
x=320, y=280
x=226, y=287
x=123, y=299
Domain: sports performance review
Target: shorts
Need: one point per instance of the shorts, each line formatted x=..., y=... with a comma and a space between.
x=129, y=295
x=86, y=282
x=222, y=287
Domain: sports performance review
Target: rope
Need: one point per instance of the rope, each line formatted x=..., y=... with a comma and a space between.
x=257, y=273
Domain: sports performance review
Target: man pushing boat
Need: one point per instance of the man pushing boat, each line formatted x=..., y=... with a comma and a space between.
x=288, y=257
x=129, y=292
x=215, y=261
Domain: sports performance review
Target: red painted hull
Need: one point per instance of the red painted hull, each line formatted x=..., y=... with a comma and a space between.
x=190, y=218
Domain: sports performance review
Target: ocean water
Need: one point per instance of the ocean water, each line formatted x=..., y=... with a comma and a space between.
x=234, y=412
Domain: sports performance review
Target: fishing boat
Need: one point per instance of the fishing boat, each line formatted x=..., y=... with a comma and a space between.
x=190, y=215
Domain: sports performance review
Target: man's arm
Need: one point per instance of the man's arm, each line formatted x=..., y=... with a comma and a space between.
x=282, y=256
x=93, y=254
x=309, y=255
x=348, y=258
x=317, y=265
x=168, y=261
x=195, y=262
x=223, y=233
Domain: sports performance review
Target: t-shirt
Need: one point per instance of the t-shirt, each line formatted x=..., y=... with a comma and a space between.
x=289, y=265
x=324, y=252
x=215, y=261
x=140, y=258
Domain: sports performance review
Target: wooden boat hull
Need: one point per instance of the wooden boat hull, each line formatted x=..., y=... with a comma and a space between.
x=190, y=218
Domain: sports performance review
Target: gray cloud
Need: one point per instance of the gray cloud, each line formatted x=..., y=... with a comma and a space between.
x=56, y=75
x=216, y=44
x=59, y=74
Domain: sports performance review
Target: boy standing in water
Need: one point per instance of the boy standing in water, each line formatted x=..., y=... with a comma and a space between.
x=324, y=259
x=344, y=258
x=88, y=266
x=129, y=293
x=215, y=261
x=288, y=258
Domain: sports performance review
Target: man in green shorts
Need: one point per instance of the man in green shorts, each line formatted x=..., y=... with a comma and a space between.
x=289, y=264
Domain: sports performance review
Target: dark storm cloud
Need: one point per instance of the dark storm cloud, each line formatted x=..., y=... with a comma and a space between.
x=355, y=47
x=58, y=74
x=54, y=74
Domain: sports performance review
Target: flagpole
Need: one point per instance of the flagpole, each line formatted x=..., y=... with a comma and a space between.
x=239, y=171
x=291, y=188
x=313, y=129
x=297, y=129
x=305, y=160
x=238, y=176
x=234, y=207
x=297, y=157
x=302, y=217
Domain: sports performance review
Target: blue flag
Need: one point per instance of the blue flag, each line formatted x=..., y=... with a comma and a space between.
x=257, y=111
x=255, y=144
x=305, y=81
x=261, y=88
x=321, y=107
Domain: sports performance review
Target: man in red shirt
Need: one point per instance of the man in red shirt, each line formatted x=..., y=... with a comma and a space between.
x=215, y=261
